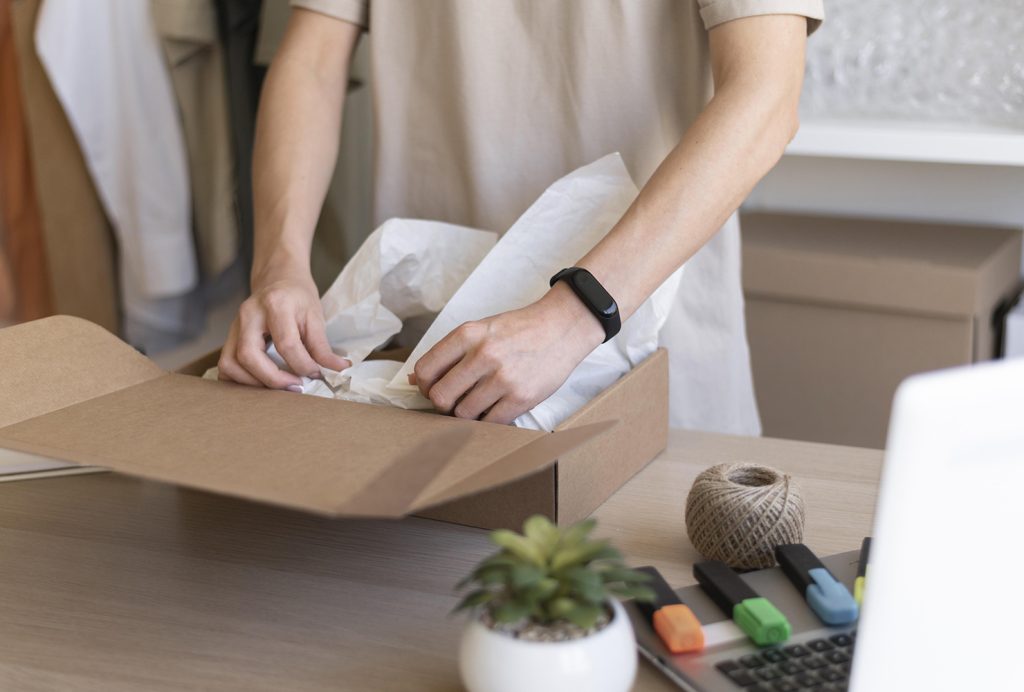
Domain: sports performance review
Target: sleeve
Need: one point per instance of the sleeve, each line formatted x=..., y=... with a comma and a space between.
x=715, y=12
x=352, y=11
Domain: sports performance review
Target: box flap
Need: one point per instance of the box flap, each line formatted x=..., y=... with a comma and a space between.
x=528, y=459
x=59, y=361
x=330, y=457
x=882, y=264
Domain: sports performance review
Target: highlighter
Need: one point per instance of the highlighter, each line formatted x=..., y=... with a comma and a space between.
x=672, y=619
x=862, y=571
x=827, y=596
x=755, y=615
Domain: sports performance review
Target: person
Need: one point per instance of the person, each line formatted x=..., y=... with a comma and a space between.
x=478, y=106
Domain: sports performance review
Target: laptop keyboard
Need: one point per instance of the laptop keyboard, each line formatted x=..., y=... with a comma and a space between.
x=821, y=664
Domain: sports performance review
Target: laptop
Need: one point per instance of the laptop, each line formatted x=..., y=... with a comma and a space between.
x=944, y=602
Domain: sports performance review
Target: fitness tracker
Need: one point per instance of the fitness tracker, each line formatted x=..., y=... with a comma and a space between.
x=592, y=293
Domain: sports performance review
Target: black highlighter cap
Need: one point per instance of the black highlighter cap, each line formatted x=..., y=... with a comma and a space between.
x=722, y=585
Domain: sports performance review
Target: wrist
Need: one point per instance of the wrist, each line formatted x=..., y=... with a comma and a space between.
x=580, y=324
x=278, y=265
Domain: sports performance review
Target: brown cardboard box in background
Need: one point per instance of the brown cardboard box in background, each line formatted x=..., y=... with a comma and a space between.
x=72, y=391
x=840, y=310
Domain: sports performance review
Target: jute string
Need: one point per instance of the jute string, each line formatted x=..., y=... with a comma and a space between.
x=738, y=513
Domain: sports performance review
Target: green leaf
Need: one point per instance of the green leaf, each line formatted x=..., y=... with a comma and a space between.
x=542, y=533
x=586, y=584
x=502, y=559
x=560, y=607
x=640, y=593
x=511, y=611
x=523, y=576
x=583, y=554
x=584, y=616
x=541, y=591
x=518, y=546
x=477, y=598
x=494, y=575
x=577, y=533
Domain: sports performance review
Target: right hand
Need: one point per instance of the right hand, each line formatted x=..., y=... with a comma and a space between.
x=285, y=307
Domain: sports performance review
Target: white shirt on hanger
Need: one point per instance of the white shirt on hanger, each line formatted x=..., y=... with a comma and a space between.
x=104, y=60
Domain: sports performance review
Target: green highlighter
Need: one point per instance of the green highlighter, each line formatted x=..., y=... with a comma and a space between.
x=755, y=615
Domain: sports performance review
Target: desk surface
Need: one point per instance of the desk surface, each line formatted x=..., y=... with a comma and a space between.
x=108, y=583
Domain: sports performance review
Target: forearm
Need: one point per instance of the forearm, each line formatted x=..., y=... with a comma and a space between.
x=297, y=135
x=736, y=140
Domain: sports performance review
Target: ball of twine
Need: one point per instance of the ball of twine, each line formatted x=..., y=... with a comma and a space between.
x=738, y=513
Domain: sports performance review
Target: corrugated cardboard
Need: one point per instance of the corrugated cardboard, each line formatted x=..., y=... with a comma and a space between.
x=840, y=310
x=72, y=391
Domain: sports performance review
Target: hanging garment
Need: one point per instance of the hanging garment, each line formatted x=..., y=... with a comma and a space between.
x=106, y=66
x=238, y=23
x=27, y=276
x=188, y=34
x=78, y=239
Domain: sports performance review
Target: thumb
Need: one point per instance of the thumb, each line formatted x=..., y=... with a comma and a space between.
x=320, y=349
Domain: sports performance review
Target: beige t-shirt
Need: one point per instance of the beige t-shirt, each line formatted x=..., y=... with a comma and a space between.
x=479, y=106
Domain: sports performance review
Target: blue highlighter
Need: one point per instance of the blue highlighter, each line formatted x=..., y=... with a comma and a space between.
x=827, y=596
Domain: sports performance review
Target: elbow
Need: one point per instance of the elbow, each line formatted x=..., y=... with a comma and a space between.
x=792, y=125
x=787, y=123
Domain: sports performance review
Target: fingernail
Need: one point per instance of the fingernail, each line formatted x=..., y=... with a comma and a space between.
x=411, y=377
x=315, y=375
x=297, y=388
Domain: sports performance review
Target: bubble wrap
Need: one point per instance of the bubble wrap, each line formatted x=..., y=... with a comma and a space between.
x=938, y=60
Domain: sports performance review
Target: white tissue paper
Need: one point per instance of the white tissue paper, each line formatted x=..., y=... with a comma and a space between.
x=411, y=268
x=405, y=269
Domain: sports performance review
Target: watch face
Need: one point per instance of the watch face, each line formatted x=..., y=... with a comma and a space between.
x=594, y=293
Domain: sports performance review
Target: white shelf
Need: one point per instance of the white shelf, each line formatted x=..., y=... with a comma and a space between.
x=909, y=141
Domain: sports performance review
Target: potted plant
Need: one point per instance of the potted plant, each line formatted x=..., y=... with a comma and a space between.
x=545, y=616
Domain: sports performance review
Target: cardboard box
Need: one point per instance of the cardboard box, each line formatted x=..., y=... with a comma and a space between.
x=70, y=390
x=840, y=310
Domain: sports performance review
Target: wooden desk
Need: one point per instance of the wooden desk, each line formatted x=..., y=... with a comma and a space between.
x=108, y=583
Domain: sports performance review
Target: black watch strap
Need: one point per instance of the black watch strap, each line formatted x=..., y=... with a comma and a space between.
x=592, y=294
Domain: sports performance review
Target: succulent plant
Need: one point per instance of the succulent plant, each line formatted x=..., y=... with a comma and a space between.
x=549, y=575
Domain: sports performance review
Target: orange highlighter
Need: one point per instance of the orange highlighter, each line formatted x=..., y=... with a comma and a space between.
x=672, y=619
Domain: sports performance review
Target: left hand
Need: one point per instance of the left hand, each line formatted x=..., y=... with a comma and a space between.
x=498, y=368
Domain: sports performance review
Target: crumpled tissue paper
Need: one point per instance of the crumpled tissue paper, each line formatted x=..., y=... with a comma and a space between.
x=409, y=268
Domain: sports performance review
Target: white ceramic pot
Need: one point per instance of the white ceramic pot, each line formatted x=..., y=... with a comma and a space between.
x=603, y=662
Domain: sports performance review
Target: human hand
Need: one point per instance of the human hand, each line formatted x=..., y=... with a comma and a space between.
x=498, y=368
x=285, y=306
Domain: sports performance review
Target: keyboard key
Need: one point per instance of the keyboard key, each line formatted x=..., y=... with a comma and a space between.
x=752, y=661
x=845, y=667
x=814, y=662
x=807, y=679
x=790, y=667
x=842, y=640
x=773, y=655
x=727, y=666
x=742, y=678
x=796, y=651
x=819, y=645
x=785, y=686
x=836, y=657
x=769, y=673
x=760, y=687
x=831, y=675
